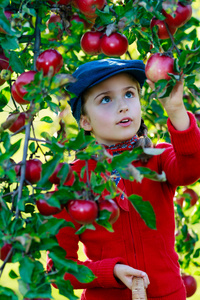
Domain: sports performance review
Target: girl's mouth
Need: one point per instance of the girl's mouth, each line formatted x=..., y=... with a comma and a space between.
x=125, y=122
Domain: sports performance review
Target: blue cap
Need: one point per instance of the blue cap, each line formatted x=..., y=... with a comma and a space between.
x=93, y=72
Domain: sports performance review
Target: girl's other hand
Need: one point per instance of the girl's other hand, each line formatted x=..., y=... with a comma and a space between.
x=126, y=275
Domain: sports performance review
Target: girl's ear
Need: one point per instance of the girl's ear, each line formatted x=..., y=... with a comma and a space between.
x=85, y=123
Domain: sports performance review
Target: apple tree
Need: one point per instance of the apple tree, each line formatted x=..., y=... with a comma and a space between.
x=41, y=44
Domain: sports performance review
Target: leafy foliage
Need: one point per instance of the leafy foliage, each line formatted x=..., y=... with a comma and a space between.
x=22, y=37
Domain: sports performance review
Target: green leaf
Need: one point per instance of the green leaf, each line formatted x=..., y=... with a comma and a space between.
x=83, y=274
x=80, y=141
x=13, y=275
x=4, y=22
x=66, y=289
x=197, y=253
x=7, y=294
x=16, y=62
x=48, y=243
x=4, y=3
x=10, y=43
x=3, y=101
x=47, y=119
x=26, y=268
x=103, y=218
x=48, y=168
x=84, y=227
x=41, y=290
x=29, y=11
x=145, y=210
x=15, y=147
x=148, y=173
x=125, y=158
x=32, y=147
x=52, y=226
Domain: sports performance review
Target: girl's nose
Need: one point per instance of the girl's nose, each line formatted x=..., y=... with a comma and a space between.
x=123, y=107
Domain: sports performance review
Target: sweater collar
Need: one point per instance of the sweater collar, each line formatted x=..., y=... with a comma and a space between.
x=118, y=148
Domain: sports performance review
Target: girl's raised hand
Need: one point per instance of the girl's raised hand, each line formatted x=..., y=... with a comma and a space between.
x=126, y=275
x=174, y=106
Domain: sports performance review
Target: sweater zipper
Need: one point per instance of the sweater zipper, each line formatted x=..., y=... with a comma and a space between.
x=133, y=240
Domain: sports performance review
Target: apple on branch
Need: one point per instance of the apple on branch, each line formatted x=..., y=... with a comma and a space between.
x=180, y=16
x=158, y=66
x=33, y=170
x=18, y=90
x=91, y=42
x=111, y=206
x=82, y=211
x=116, y=44
x=50, y=58
x=190, y=284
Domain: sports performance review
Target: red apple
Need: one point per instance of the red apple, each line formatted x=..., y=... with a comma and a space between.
x=45, y=208
x=33, y=170
x=49, y=58
x=4, y=62
x=189, y=193
x=4, y=65
x=91, y=42
x=57, y=33
x=4, y=251
x=54, y=179
x=19, y=123
x=112, y=207
x=88, y=7
x=180, y=16
x=162, y=30
x=24, y=79
x=54, y=18
x=190, y=284
x=16, y=97
x=115, y=44
x=192, y=195
x=158, y=66
x=76, y=18
x=83, y=211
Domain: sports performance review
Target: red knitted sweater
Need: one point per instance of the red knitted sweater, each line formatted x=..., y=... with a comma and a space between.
x=132, y=242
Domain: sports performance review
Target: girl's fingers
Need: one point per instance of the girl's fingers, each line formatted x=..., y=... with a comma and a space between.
x=143, y=275
x=151, y=84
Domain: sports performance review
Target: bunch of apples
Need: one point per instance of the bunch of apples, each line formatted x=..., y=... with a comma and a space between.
x=159, y=65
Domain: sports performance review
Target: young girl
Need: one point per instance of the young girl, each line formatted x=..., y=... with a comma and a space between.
x=107, y=104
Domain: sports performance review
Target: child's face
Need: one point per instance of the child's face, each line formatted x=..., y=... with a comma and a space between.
x=113, y=111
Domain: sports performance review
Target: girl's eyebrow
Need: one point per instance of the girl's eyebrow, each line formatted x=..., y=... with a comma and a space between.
x=104, y=93
x=107, y=92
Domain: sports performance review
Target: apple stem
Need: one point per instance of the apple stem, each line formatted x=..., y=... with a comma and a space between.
x=172, y=39
x=23, y=166
x=38, y=140
x=12, y=96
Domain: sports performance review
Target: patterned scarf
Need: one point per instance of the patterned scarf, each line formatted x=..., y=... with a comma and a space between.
x=127, y=145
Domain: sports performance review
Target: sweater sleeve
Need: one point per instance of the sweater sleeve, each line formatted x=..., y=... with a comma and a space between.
x=181, y=160
x=102, y=269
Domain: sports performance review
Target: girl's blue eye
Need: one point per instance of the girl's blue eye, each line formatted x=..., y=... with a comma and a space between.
x=106, y=99
x=128, y=94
